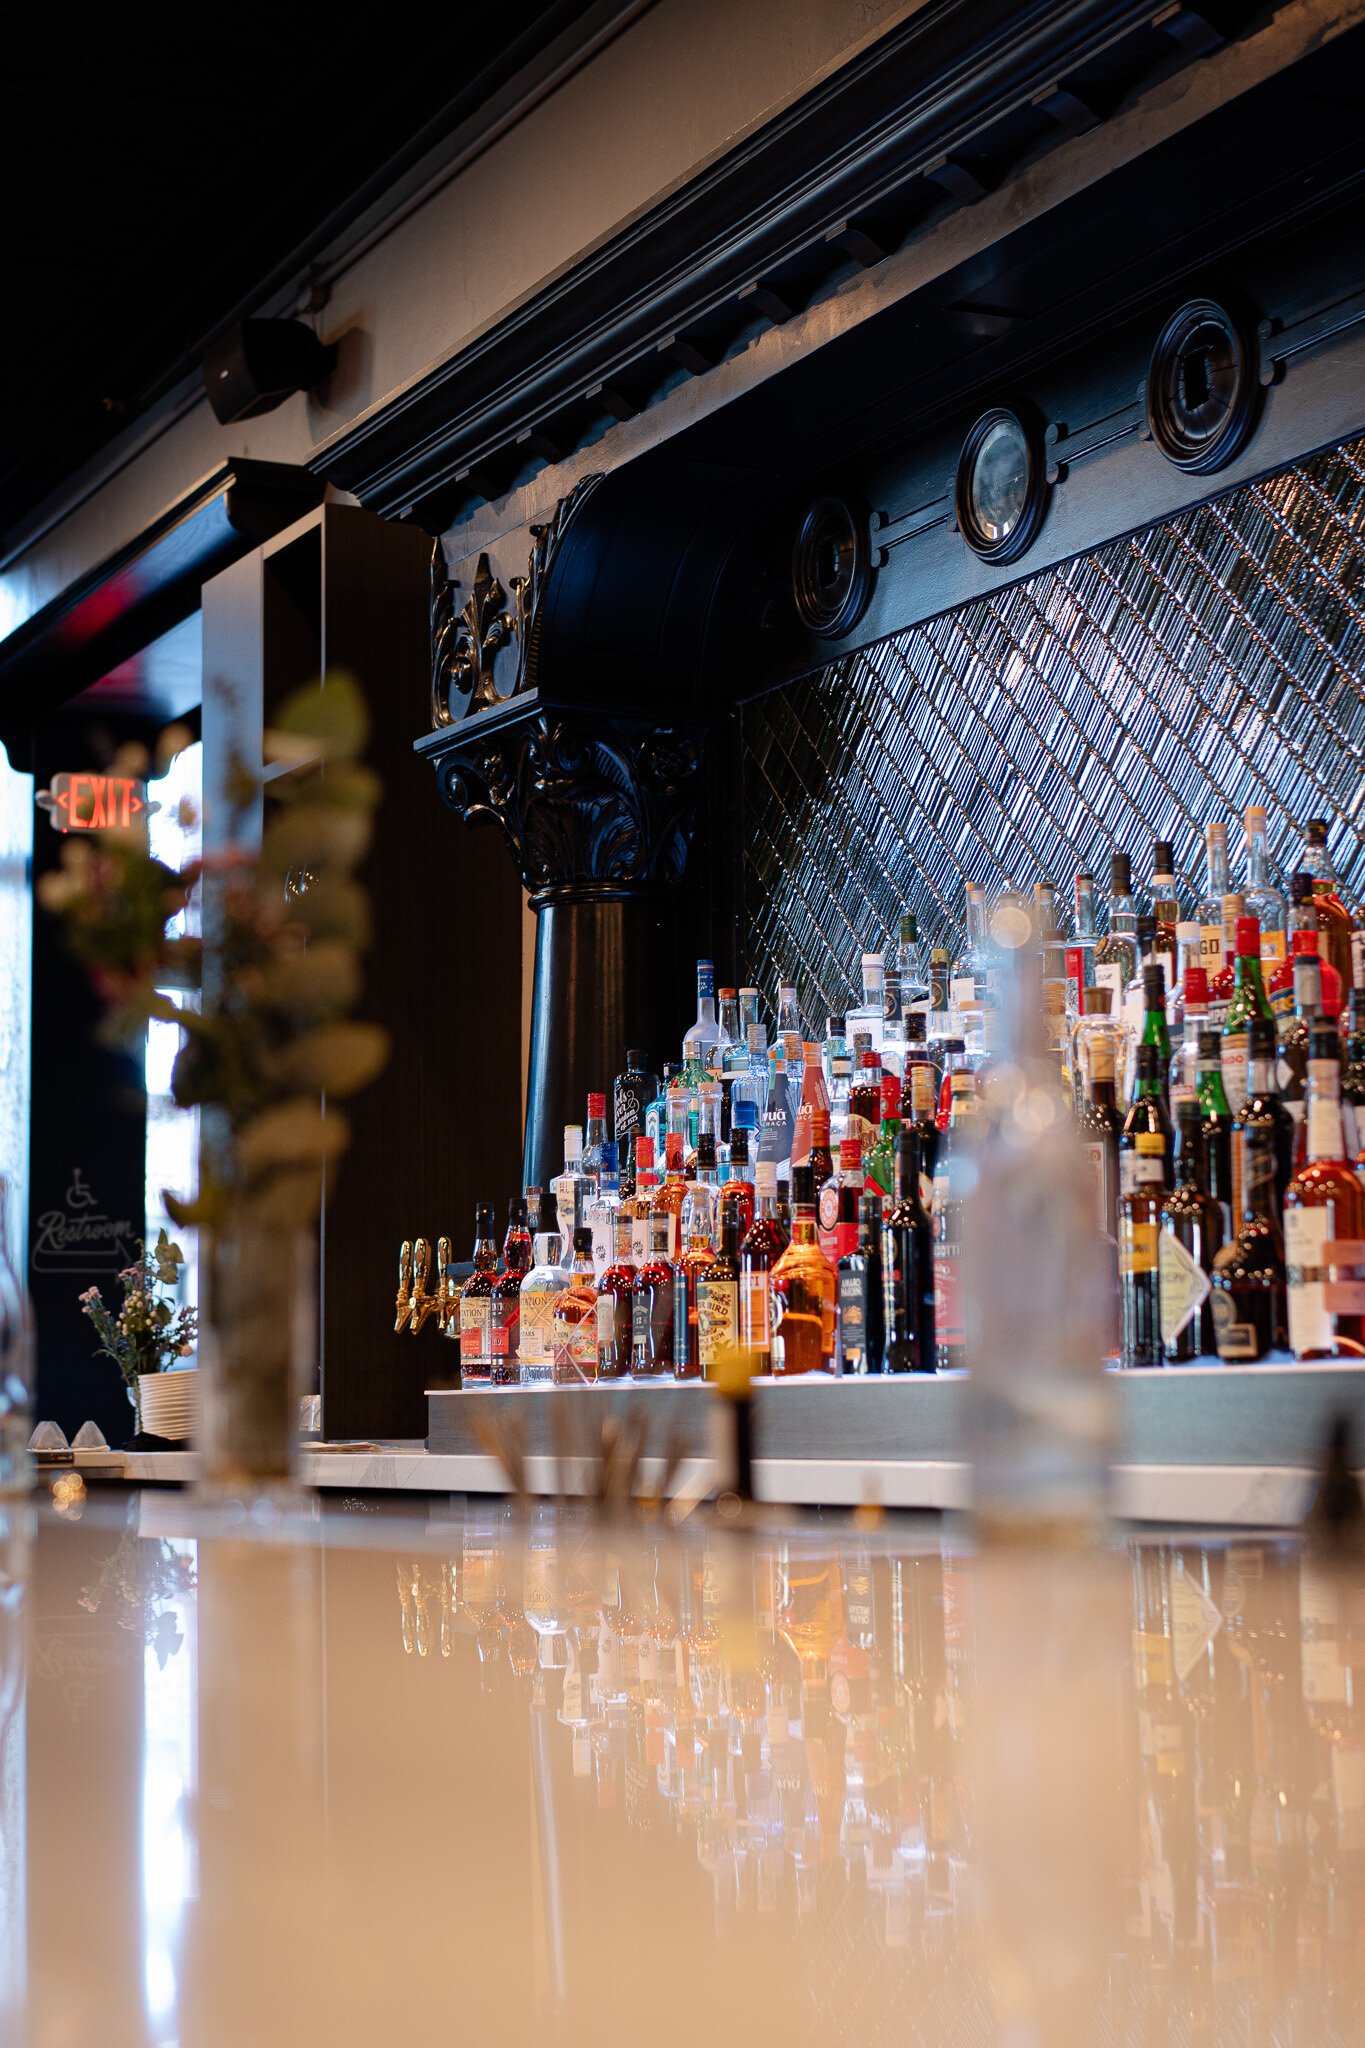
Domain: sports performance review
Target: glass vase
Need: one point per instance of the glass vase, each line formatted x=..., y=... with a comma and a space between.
x=257, y=1351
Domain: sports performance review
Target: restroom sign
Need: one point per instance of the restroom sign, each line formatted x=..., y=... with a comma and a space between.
x=83, y=801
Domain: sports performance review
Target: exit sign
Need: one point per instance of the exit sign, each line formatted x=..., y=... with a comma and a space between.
x=85, y=802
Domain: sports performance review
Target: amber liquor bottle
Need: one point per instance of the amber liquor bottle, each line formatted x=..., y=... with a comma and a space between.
x=760, y=1249
x=668, y=1199
x=651, y=1307
x=803, y=1291
x=615, y=1306
x=696, y=1255
x=1248, y=1301
x=575, y=1318
x=505, y=1301
x=476, y=1304
x=908, y=1266
x=1324, y=1222
x=1139, y=1260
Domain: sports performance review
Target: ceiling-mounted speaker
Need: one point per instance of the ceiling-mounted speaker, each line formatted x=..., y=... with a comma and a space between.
x=259, y=363
x=1203, y=385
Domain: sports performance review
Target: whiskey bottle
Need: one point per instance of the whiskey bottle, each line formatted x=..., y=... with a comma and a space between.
x=761, y=1248
x=1139, y=1254
x=575, y=1318
x=1334, y=919
x=1304, y=937
x=1324, y=1221
x=1191, y=1236
x=908, y=1267
x=1262, y=1109
x=476, y=1304
x=861, y=1301
x=651, y=1307
x=718, y=1325
x=803, y=1292
x=1147, y=1112
x=1248, y=1298
x=615, y=1305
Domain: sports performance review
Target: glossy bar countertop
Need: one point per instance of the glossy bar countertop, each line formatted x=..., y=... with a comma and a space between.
x=499, y=1774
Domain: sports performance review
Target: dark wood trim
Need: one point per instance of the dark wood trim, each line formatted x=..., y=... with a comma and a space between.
x=146, y=586
x=930, y=116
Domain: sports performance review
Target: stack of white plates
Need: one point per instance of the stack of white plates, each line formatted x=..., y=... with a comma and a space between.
x=170, y=1404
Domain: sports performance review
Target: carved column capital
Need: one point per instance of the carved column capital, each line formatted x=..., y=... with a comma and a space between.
x=592, y=805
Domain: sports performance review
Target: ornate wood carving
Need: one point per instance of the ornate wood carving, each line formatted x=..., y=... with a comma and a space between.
x=530, y=588
x=589, y=805
x=465, y=644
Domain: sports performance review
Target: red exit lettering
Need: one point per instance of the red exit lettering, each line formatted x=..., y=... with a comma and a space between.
x=85, y=802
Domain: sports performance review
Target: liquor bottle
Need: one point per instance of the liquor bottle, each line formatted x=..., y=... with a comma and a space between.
x=698, y=1225
x=970, y=980
x=776, y=1130
x=908, y=1266
x=705, y=1161
x=704, y=1036
x=575, y=1318
x=1291, y=1069
x=1116, y=955
x=821, y=1157
x=1262, y=1110
x=1222, y=984
x=476, y=1303
x=737, y=1195
x=564, y=1188
x=1217, y=1115
x=861, y=1338
x=1264, y=901
x=1139, y=1258
x=1154, y=1029
x=1135, y=994
x=783, y=1199
x=919, y=1099
x=1191, y=1236
x=1194, y=1009
x=865, y=1102
x=1353, y=1080
x=596, y=1138
x=600, y=1211
x=1210, y=911
x=750, y=1084
x=1248, y=1299
x=838, y=1065
x=639, y=1205
x=718, y=1327
x=1099, y=1123
x=1335, y=923
x=540, y=1290
x=940, y=995
x=1324, y=1207
x=656, y=1111
x=651, y=1307
x=950, y=1176
x=762, y=1246
x=504, y=1320
x=791, y=1032
x=910, y=968
x=836, y=1203
x=669, y=1199
x=631, y=1096
x=1248, y=1000
x=1166, y=905
x=615, y=1305
x=879, y=1166
x=1084, y=939
x=802, y=1292
x=814, y=1101
x=1304, y=937
x=870, y=1014
x=1147, y=1112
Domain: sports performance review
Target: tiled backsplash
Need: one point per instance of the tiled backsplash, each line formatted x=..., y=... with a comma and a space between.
x=1165, y=680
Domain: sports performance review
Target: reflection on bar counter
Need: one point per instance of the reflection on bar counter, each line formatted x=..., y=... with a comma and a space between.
x=1208, y=1066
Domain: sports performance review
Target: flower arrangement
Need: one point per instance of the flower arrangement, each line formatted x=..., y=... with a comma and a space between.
x=148, y=1331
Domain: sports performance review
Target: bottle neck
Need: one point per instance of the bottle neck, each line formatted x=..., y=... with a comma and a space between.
x=597, y=1132
x=1248, y=971
x=1217, y=854
x=803, y=1224
x=1261, y=1076
x=1258, y=858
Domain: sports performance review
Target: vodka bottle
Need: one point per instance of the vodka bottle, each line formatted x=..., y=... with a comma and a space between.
x=1263, y=899
x=791, y=1032
x=1209, y=914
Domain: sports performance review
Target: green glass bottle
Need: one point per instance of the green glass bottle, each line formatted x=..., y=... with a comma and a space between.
x=1213, y=1103
x=880, y=1163
x=1154, y=1031
x=1248, y=1000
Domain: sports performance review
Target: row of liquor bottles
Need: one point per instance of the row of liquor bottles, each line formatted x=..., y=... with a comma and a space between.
x=808, y=1715
x=1227, y=1229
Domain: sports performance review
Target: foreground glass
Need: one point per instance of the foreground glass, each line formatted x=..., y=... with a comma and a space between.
x=16, y=1363
x=258, y=1347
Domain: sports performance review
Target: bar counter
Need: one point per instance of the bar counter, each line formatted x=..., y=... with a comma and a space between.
x=509, y=1774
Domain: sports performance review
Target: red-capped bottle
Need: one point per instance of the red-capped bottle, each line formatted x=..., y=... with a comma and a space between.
x=837, y=1203
x=476, y=1303
x=1304, y=941
x=651, y=1305
x=759, y=1251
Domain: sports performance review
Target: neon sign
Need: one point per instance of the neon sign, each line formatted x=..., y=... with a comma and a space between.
x=86, y=802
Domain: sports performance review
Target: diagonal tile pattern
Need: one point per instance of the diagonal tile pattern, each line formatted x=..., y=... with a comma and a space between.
x=1165, y=680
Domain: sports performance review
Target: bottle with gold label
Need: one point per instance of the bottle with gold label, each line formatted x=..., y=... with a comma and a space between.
x=803, y=1291
x=1324, y=1222
x=718, y=1299
x=1139, y=1261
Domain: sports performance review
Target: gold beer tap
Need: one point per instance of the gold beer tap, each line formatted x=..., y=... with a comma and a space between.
x=403, y=1305
x=447, y=1291
x=425, y=1302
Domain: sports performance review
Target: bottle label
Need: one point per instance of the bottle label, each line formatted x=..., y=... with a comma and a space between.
x=1358, y=959
x=606, y=1322
x=1272, y=950
x=1211, y=949
x=717, y=1320
x=853, y=1320
x=1235, y=1070
x=962, y=993
x=794, y=1051
x=580, y=1346
x=1235, y=1340
x=1324, y=1129
x=949, y=1328
x=1138, y=1250
x=756, y=1327
x=1183, y=1289
x=602, y=1220
x=1310, y=1323
x=706, y=982
x=474, y=1326
x=503, y=1328
x=537, y=1324
x=1128, y=1172
x=892, y=1008
x=827, y=1211
x=1099, y=1162
x=639, y=1240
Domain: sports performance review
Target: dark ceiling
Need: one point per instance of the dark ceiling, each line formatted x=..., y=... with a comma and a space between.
x=160, y=163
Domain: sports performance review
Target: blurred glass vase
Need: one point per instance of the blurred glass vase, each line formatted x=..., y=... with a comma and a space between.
x=258, y=1355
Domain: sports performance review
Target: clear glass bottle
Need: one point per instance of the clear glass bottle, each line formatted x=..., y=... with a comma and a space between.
x=750, y=1083
x=639, y=1205
x=1263, y=900
x=1323, y=1207
x=564, y=1187
x=954, y=1170
x=1099, y=1122
x=1262, y=1109
x=791, y=1032
x=596, y=1137
x=541, y=1288
x=1291, y=1066
x=600, y=1213
x=1116, y=954
x=1209, y=912
x=940, y=996
x=704, y=1037
x=1080, y=972
x=1194, y=1010
x=838, y=1065
x=803, y=1292
x=656, y=1112
x=476, y=1303
x=574, y=1318
x=869, y=1016
x=910, y=966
